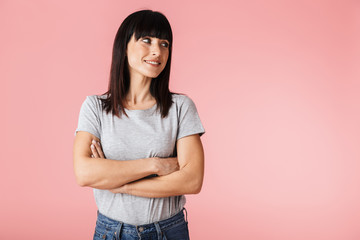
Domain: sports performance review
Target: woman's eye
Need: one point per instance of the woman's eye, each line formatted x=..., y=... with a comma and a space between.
x=147, y=40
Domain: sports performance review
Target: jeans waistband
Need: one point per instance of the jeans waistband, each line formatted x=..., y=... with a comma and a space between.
x=163, y=223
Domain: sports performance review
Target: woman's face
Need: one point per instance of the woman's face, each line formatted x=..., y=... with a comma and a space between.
x=147, y=56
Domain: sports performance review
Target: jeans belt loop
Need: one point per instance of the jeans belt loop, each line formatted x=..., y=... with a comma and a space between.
x=186, y=214
x=158, y=230
x=118, y=231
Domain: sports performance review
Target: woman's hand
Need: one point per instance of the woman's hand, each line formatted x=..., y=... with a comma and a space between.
x=122, y=189
x=166, y=166
x=96, y=150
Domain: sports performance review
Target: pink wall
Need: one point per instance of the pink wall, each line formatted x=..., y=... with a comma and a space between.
x=277, y=87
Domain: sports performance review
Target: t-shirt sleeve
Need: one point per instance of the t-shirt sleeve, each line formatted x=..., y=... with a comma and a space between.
x=88, y=117
x=189, y=120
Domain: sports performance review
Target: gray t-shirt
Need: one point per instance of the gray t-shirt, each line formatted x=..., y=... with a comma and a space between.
x=143, y=135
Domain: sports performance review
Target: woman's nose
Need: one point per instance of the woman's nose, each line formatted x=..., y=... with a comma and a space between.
x=155, y=49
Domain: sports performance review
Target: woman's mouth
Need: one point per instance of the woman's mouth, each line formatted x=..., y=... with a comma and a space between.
x=153, y=63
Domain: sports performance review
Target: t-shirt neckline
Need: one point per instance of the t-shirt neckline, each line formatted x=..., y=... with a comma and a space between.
x=141, y=111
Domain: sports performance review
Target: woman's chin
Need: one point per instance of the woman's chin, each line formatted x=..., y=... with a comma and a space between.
x=153, y=75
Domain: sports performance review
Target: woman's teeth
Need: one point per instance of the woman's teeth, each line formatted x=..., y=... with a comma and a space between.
x=152, y=62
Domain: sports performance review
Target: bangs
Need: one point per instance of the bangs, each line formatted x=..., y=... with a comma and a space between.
x=153, y=25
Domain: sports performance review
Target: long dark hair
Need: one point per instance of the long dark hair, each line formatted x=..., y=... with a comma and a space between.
x=142, y=23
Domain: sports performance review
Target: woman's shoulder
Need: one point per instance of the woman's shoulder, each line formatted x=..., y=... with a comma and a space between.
x=181, y=99
x=94, y=101
x=96, y=98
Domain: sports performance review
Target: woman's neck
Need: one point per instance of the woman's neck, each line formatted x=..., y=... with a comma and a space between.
x=139, y=92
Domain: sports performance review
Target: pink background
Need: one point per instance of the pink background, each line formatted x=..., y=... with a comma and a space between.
x=276, y=84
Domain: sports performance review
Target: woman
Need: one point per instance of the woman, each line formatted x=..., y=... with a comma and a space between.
x=138, y=145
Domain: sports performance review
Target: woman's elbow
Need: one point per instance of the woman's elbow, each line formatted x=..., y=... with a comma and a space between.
x=195, y=186
x=197, y=189
x=81, y=178
x=81, y=174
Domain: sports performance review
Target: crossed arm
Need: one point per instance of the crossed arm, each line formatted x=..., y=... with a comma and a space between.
x=177, y=176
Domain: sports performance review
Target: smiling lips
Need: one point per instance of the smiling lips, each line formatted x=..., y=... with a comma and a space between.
x=152, y=63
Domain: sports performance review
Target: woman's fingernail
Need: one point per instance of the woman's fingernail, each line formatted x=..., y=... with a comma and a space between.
x=92, y=146
x=93, y=141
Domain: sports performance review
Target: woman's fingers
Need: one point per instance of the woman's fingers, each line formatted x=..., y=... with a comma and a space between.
x=100, y=151
x=96, y=149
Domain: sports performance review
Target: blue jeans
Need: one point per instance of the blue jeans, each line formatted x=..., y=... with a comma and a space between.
x=174, y=228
